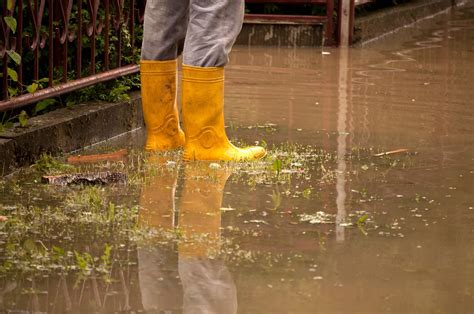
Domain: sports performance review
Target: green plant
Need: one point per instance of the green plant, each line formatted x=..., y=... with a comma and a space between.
x=307, y=193
x=47, y=164
x=277, y=166
x=8, y=122
x=361, y=221
x=115, y=91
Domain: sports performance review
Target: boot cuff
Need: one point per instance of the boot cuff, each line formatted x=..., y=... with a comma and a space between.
x=158, y=67
x=203, y=74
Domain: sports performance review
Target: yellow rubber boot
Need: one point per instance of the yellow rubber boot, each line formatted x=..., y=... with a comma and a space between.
x=203, y=117
x=159, y=105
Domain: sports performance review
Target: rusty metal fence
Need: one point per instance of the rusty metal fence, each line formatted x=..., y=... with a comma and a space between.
x=52, y=47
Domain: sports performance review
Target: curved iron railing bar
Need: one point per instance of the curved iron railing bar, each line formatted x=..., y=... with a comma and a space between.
x=68, y=87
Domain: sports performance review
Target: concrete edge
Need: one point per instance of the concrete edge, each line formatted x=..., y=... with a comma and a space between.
x=66, y=130
x=386, y=21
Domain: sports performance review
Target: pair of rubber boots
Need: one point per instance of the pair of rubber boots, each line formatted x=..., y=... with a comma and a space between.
x=202, y=108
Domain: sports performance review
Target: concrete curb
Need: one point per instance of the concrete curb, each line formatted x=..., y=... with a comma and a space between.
x=66, y=130
x=386, y=21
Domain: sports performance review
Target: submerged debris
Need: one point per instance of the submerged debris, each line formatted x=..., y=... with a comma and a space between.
x=99, y=178
x=256, y=221
x=214, y=166
x=318, y=218
x=227, y=209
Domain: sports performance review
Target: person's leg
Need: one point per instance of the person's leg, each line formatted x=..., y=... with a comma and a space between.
x=212, y=30
x=165, y=26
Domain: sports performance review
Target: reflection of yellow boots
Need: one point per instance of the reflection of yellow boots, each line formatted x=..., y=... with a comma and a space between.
x=158, y=79
x=200, y=210
x=203, y=117
x=157, y=197
x=160, y=289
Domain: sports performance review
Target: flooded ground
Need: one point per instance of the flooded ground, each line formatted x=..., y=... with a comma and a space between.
x=364, y=203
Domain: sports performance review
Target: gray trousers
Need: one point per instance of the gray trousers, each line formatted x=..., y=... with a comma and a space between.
x=209, y=29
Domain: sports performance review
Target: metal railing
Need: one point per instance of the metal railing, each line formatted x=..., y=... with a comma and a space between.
x=65, y=45
x=327, y=18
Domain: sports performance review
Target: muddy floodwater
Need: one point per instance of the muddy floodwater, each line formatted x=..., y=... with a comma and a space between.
x=364, y=203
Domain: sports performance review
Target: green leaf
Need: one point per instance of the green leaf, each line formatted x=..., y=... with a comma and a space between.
x=362, y=219
x=44, y=104
x=307, y=193
x=43, y=80
x=58, y=251
x=14, y=56
x=80, y=261
x=70, y=103
x=23, y=118
x=111, y=212
x=277, y=166
x=12, y=74
x=12, y=92
x=30, y=246
x=106, y=256
x=10, y=5
x=32, y=88
x=11, y=23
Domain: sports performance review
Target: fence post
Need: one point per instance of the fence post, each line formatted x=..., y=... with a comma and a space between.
x=345, y=21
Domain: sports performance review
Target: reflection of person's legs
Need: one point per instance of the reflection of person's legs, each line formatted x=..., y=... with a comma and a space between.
x=207, y=283
x=208, y=287
x=157, y=267
x=160, y=289
x=212, y=30
x=165, y=26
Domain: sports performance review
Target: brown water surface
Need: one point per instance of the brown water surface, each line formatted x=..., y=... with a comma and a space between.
x=394, y=233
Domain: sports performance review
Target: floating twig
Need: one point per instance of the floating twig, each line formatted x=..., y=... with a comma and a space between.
x=114, y=156
x=392, y=152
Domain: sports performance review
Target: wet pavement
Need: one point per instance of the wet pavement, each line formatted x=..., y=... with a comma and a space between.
x=363, y=205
